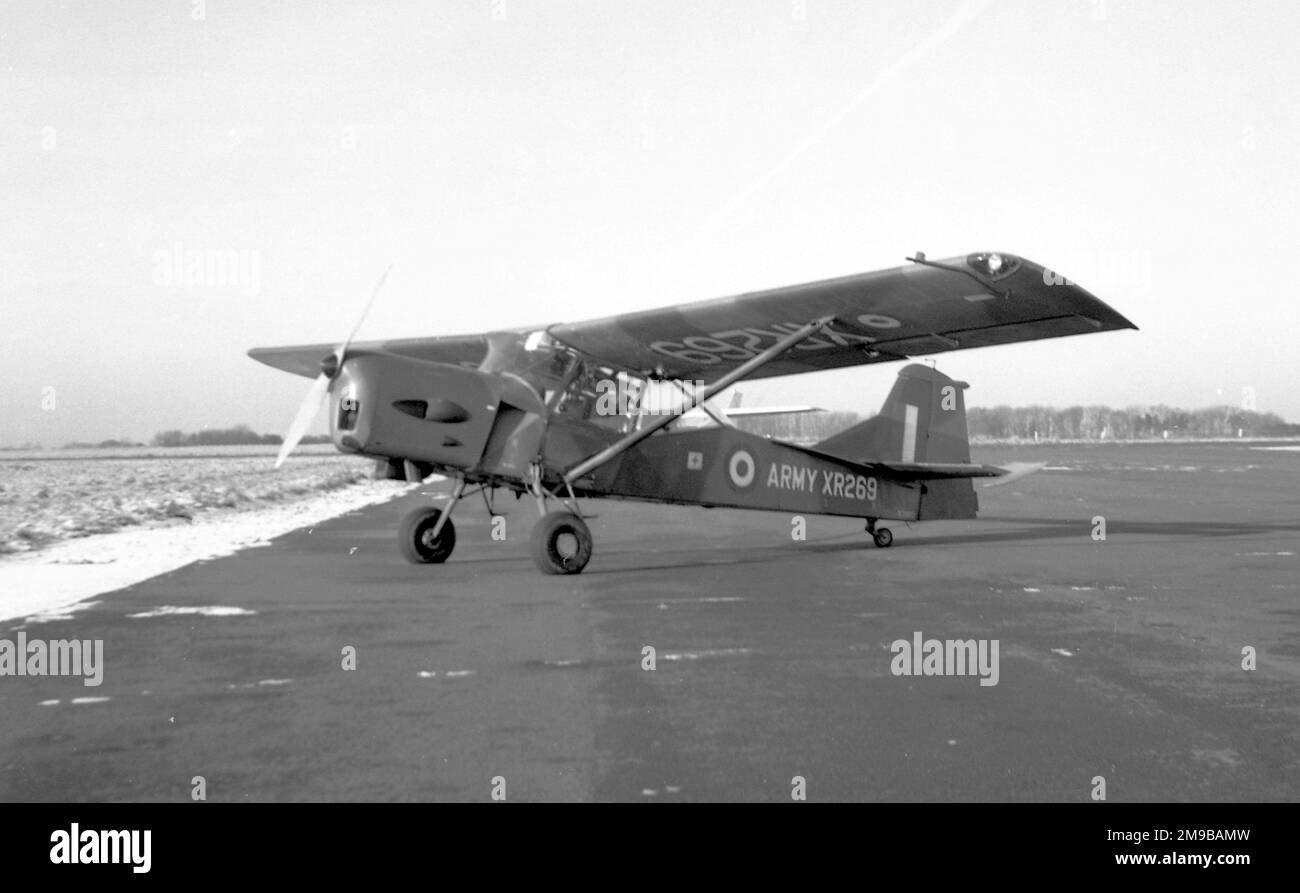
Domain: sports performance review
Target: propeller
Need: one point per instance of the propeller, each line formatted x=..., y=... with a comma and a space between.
x=320, y=388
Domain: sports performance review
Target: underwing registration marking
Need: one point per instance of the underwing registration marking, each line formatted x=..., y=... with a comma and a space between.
x=742, y=344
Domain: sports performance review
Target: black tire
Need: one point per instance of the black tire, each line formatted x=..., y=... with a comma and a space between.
x=883, y=537
x=416, y=537
x=561, y=544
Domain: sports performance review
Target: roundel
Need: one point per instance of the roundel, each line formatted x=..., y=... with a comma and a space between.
x=878, y=321
x=741, y=468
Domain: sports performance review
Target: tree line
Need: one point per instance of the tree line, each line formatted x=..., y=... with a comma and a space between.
x=1050, y=423
x=1132, y=423
x=240, y=435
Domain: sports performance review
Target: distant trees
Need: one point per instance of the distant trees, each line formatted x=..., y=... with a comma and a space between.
x=1133, y=423
x=102, y=445
x=240, y=435
x=1048, y=423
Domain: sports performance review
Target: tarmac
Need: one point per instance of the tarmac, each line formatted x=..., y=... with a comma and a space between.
x=708, y=655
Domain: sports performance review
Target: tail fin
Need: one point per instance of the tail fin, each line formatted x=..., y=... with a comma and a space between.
x=923, y=421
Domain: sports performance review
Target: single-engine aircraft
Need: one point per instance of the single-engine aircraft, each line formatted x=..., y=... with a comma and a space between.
x=555, y=413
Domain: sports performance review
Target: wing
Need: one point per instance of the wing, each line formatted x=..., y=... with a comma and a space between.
x=924, y=308
x=304, y=359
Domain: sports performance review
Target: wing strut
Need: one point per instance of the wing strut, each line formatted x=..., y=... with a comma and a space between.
x=712, y=413
x=621, y=446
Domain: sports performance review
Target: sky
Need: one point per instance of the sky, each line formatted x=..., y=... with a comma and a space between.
x=535, y=162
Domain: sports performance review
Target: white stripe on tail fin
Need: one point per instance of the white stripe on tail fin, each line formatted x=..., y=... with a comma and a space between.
x=909, y=433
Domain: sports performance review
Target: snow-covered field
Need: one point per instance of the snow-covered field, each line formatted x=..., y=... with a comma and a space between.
x=57, y=495
x=74, y=524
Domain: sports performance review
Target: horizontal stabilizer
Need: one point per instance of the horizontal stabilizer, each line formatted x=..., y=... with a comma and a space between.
x=909, y=471
x=934, y=471
x=1014, y=471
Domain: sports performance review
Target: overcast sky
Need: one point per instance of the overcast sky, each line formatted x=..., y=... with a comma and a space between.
x=531, y=162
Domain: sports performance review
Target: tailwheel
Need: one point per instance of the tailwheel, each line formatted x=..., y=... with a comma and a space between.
x=883, y=537
x=416, y=537
x=561, y=543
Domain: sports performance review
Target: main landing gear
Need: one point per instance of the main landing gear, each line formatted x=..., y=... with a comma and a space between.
x=561, y=543
x=421, y=540
x=883, y=537
x=427, y=535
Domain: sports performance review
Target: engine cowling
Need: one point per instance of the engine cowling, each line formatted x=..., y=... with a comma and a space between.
x=402, y=408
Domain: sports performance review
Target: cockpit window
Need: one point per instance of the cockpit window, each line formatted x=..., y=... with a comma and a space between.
x=536, y=358
x=602, y=396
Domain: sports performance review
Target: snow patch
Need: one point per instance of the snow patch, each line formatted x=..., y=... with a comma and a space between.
x=258, y=684
x=65, y=573
x=204, y=611
x=700, y=655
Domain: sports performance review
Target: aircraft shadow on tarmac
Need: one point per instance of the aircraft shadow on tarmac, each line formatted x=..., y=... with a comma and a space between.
x=1028, y=530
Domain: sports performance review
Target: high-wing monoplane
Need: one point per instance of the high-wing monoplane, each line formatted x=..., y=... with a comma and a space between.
x=587, y=410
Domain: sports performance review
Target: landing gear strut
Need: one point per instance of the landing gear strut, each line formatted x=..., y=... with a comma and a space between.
x=883, y=537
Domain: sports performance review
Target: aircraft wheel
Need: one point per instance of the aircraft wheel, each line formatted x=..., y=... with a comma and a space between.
x=883, y=537
x=416, y=537
x=561, y=544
